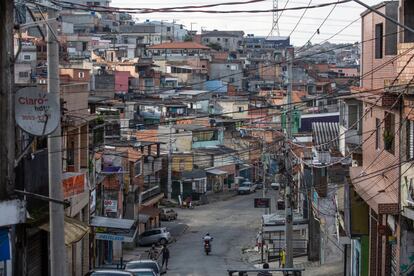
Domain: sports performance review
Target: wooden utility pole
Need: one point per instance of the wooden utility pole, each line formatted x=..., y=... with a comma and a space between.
x=7, y=126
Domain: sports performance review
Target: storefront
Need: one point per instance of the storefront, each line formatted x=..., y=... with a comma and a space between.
x=215, y=180
x=109, y=235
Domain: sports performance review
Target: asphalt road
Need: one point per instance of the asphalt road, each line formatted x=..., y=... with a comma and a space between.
x=233, y=224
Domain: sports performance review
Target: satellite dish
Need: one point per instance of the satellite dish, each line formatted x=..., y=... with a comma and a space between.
x=36, y=111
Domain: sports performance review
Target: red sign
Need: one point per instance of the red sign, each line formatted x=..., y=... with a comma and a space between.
x=261, y=202
x=74, y=184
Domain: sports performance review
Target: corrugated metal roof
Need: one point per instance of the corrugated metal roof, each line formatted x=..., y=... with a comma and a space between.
x=325, y=135
x=74, y=230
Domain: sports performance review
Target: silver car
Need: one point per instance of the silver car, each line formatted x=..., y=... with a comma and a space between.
x=143, y=272
x=143, y=264
x=155, y=236
x=109, y=273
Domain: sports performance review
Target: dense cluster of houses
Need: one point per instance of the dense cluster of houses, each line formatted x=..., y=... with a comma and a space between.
x=152, y=111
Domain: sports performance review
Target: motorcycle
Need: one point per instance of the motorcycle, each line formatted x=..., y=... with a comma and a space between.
x=207, y=247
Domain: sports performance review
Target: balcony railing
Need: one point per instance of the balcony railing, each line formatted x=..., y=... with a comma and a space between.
x=150, y=193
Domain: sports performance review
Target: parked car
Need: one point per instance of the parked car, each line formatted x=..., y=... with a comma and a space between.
x=259, y=185
x=155, y=236
x=144, y=264
x=143, y=272
x=247, y=188
x=275, y=186
x=168, y=214
x=109, y=273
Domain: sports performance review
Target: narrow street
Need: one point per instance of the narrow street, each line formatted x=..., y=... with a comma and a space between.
x=233, y=225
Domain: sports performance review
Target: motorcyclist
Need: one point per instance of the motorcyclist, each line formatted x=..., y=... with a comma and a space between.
x=208, y=238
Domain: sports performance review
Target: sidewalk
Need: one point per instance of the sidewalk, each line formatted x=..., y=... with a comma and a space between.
x=252, y=256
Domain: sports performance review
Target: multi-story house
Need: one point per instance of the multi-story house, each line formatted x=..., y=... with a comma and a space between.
x=226, y=40
x=406, y=196
x=376, y=180
x=227, y=71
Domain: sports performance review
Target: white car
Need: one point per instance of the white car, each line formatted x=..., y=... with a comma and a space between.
x=247, y=188
x=141, y=264
x=142, y=272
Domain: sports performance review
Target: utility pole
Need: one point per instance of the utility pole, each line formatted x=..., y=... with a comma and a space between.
x=7, y=126
x=54, y=144
x=288, y=189
x=191, y=28
x=162, y=27
x=173, y=28
x=170, y=151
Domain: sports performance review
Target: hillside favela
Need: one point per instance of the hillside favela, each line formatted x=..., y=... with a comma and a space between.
x=206, y=138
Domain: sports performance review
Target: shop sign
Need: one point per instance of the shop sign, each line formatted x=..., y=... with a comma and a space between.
x=261, y=202
x=111, y=205
x=73, y=184
x=109, y=237
x=36, y=112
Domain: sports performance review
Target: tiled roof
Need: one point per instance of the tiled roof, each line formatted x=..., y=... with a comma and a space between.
x=180, y=45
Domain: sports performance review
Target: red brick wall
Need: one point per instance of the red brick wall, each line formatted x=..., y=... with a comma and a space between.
x=376, y=80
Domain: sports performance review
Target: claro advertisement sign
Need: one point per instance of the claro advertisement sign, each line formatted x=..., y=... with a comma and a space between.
x=36, y=112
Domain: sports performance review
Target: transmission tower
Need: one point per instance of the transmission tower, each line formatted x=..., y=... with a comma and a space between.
x=275, y=23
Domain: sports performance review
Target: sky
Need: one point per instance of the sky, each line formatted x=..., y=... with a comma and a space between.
x=260, y=24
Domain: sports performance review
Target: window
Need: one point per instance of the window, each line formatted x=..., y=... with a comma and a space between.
x=81, y=75
x=23, y=74
x=241, y=109
x=26, y=57
x=353, y=117
x=379, y=33
x=231, y=80
x=168, y=29
x=377, y=133
x=218, y=39
x=137, y=168
x=410, y=139
x=389, y=132
x=226, y=40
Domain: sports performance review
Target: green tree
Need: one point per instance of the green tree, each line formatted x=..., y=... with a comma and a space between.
x=214, y=46
x=188, y=38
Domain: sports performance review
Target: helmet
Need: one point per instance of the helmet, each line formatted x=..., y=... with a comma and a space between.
x=208, y=234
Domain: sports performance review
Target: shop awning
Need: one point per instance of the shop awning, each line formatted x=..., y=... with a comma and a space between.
x=75, y=230
x=111, y=222
x=114, y=229
x=217, y=172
